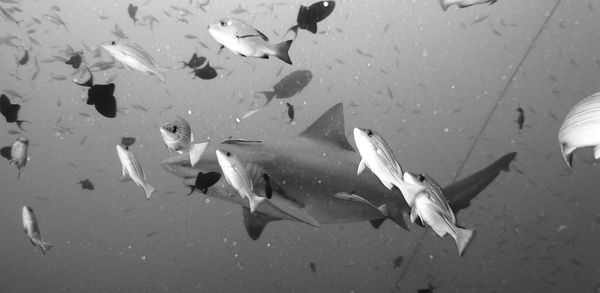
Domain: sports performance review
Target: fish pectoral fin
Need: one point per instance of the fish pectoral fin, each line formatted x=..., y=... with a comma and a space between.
x=361, y=167
x=413, y=215
x=247, y=36
x=597, y=152
x=124, y=171
x=255, y=223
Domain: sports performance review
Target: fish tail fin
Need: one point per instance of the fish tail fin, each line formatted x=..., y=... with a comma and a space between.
x=196, y=151
x=463, y=238
x=294, y=29
x=19, y=173
x=20, y=123
x=149, y=189
x=312, y=27
x=161, y=74
x=254, y=201
x=567, y=153
x=269, y=95
x=445, y=4
x=45, y=247
x=281, y=51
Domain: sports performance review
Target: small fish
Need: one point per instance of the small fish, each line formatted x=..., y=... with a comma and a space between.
x=37, y=68
x=117, y=32
x=581, y=128
x=24, y=59
x=194, y=62
x=246, y=41
x=101, y=96
x=190, y=36
x=133, y=56
x=206, y=72
x=127, y=141
x=75, y=60
x=150, y=234
x=86, y=184
x=177, y=135
x=17, y=154
x=308, y=17
x=290, y=112
x=132, y=10
x=463, y=3
x=433, y=209
x=102, y=65
x=398, y=262
x=288, y=86
x=10, y=111
x=7, y=15
x=377, y=155
x=32, y=229
x=54, y=18
x=150, y=19
x=204, y=181
x=521, y=119
x=313, y=267
x=239, y=10
x=132, y=168
x=236, y=176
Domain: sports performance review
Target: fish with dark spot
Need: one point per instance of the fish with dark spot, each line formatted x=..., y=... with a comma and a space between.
x=313, y=267
x=86, y=184
x=194, y=62
x=10, y=111
x=75, y=60
x=289, y=86
x=204, y=181
x=101, y=96
x=290, y=112
x=132, y=11
x=206, y=72
x=308, y=17
x=127, y=141
x=521, y=119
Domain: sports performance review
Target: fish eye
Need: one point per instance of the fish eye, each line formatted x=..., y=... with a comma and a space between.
x=113, y=43
x=222, y=23
x=174, y=129
x=370, y=133
x=421, y=178
x=228, y=154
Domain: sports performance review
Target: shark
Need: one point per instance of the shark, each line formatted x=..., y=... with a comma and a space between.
x=311, y=178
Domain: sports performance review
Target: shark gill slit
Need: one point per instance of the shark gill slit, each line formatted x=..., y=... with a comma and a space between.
x=484, y=126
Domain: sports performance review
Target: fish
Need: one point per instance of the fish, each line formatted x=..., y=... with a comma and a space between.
x=101, y=96
x=204, y=181
x=86, y=184
x=581, y=128
x=205, y=72
x=102, y=65
x=17, y=154
x=75, y=60
x=309, y=169
x=134, y=57
x=239, y=10
x=313, y=267
x=246, y=41
x=10, y=111
x=433, y=209
x=132, y=10
x=37, y=68
x=521, y=118
x=195, y=61
x=289, y=85
x=7, y=15
x=117, y=32
x=308, y=17
x=377, y=155
x=54, y=18
x=398, y=262
x=178, y=136
x=235, y=174
x=8, y=41
x=24, y=59
x=127, y=141
x=131, y=168
x=290, y=112
x=32, y=230
x=151, y=19
x=463, y=3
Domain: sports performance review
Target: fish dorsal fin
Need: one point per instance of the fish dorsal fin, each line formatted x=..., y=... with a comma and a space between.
x=329, y=128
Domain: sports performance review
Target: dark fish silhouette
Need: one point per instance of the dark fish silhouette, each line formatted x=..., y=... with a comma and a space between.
x=308, y=17
x=194, y=62
x=10, y=111
x=290, y=112
x=429, y=289
x=313, y=267
x=521, y=119
x=5, y=152
x=206, y=72
x=132, y=11
x=398, y=262
x=288, y=86
x=204, y=181
x=101, y=96
x=25, y=58
x=86, y=184
x=75, y=60
x=268, y=186
x=127, y=141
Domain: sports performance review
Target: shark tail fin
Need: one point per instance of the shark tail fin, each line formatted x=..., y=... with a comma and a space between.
x=45, y=246
x=148, y=189
x=196, y=151
x=281, y=51
x=462, y=238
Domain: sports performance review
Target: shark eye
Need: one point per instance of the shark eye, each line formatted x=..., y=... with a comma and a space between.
x=370, y=133
x=421, y=178
x=174, y=129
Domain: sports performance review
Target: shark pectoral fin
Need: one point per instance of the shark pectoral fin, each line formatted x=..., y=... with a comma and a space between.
x=291, y=209
x=361, y=167
x=255, y=223
x=377, y=222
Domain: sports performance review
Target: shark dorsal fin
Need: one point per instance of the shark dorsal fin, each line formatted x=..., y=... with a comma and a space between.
x=329, y=128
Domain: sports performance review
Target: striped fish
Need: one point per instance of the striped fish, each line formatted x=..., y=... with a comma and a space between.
x=237, y=176
x=133, y=169
x=581, y=128
x=134, y=57
x=178, y=137
x=433, y=209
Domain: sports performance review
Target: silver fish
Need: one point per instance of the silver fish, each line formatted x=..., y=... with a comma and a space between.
x=236, y=176
x=581, y=128
x=134, y=57
x=433, y=208
x=463, y=3
x=54, y=18
x=133, y=169
x=244, y=40
x=178, y=137
x=32, y=229
x=377, y=155
x=18, y=154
